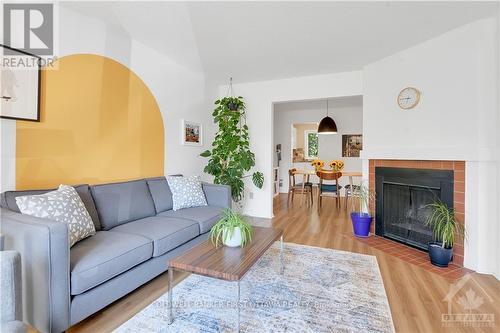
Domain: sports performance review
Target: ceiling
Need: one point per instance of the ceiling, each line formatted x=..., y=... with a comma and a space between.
x=253, y=41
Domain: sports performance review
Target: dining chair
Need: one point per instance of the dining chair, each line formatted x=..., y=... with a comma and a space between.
x=351, y=190
x=294, y=187
x=326, y=188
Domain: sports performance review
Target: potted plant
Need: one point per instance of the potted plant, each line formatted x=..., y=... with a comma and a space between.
x=230, y=158
x=360, y=217
x=231, y=230
x=445, y=227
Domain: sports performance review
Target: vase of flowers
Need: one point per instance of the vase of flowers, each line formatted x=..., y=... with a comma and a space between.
x=336, y=165
x=318, y=164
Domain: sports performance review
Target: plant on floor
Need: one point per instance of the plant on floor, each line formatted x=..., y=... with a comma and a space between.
x=231, y=230
x=446, y=229
x=231, y=157
x=360, y=216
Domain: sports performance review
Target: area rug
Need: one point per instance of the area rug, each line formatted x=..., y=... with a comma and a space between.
x=321, y=290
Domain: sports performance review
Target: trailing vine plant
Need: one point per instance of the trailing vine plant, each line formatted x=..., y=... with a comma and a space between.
x=230, y=157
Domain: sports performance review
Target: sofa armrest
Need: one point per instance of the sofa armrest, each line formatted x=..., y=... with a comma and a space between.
x=44, y=248
x=10, y=270
x=217, y=195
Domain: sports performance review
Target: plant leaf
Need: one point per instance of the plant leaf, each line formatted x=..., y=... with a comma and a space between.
x=258, y=179
x=206, y=153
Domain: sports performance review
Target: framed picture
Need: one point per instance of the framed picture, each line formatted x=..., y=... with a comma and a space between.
x=19, y=86
x=352, y=144
x=191, y=133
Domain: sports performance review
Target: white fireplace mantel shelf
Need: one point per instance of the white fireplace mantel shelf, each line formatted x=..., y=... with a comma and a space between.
x=431, y=154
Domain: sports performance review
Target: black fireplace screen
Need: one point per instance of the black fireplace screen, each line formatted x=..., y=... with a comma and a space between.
x=402, y=199
x=405, y=213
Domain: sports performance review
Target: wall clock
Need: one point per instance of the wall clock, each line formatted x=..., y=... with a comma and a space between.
x=408, y=98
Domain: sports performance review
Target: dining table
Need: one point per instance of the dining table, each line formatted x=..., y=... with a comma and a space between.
x=306, y=174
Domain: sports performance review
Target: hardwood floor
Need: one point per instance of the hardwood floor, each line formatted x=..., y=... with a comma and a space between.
x=416, y=296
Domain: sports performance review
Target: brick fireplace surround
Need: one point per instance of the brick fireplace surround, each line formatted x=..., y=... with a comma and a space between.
x=458, y=168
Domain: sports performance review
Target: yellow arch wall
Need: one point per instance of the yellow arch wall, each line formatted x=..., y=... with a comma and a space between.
x=99, y=123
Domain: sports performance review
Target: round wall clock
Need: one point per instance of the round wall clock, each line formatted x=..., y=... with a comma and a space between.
x=408, y=98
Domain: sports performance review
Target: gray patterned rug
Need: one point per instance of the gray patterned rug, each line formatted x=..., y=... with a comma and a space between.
x=322, y=290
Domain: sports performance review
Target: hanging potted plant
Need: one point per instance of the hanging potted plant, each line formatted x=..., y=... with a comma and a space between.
x=445, y=228
x=232, y=230
x=360, y=216
x=230, y=158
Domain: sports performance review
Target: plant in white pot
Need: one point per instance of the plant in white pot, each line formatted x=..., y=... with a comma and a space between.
x=232, y=230
x=446, y=229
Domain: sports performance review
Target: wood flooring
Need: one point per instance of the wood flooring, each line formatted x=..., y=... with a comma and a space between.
x=416, y=296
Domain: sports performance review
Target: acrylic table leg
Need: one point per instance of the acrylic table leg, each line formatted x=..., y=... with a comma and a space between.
x=169, y=302
x=282, y=260
x=238, y=308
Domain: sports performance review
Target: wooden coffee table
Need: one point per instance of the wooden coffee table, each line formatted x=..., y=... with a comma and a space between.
x=224, y=263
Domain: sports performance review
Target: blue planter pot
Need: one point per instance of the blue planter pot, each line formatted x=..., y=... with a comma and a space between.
x=361, y=223
x=440, y=256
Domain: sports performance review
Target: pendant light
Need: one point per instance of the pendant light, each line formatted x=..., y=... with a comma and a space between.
x=327, y=125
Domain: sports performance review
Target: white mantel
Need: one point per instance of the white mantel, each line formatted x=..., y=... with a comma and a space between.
x=431, y=154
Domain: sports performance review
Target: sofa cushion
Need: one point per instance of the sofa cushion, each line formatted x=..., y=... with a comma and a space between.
x=105, y=255
x=63, y=205
x=166, y=233
x=205, y=216
x=9, y=201
x=160, y=191
x=120, y=203
x=186, y=192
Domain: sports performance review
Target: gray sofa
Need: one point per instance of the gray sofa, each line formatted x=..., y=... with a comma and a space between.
x=137, y=233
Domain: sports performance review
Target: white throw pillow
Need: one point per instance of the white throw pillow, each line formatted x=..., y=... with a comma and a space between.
x=62, y=205
x=186, y=192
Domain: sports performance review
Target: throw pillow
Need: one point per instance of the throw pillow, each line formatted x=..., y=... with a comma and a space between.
x=186, y=192
x=62, y=205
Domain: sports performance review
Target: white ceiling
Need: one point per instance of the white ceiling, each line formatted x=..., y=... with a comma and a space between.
x=162, y=25
x=253, y=41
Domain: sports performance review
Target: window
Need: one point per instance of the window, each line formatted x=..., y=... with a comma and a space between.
x=311, y=144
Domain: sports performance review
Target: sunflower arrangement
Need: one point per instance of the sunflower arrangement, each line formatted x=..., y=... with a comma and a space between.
x=318, y=164
x=336, y=165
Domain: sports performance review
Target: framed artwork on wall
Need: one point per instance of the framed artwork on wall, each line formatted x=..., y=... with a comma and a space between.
x=352, y=144
x=191, y=133
x=19, y=85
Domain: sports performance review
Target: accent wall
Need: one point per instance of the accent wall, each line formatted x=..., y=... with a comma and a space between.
x=100, y=123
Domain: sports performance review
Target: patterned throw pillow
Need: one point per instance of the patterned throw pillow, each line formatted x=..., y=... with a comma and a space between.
x=186, y=192
x=63, y=205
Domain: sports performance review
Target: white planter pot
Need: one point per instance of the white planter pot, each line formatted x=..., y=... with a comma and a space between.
x=234, y=240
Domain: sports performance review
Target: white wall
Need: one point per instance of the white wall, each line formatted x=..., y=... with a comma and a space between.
x=259, y=97
x=348, y=115
x=457, y=119
x=179, y=89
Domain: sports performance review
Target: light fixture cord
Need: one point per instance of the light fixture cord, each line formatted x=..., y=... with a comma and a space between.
x=327, y=107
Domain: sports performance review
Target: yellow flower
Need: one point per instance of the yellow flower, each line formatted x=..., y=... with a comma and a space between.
x=336, y=165
x=317, y=164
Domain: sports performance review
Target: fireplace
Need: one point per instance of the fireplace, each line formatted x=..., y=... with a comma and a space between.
x=402, y=195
